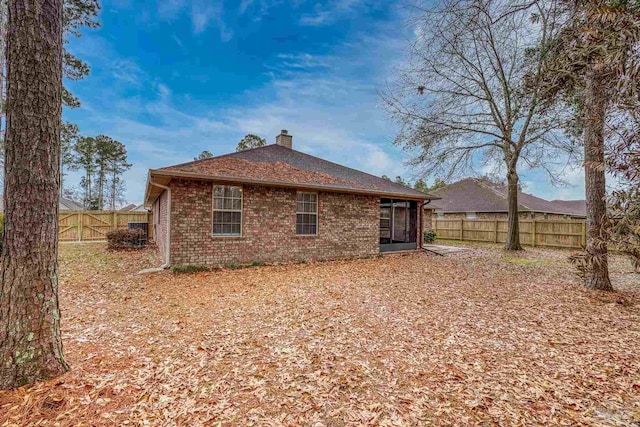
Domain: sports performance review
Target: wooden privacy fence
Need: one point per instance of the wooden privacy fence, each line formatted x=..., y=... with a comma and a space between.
x=557, y=234
x=87, y=226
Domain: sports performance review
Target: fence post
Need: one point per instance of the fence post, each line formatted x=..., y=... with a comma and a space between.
x=495, y=232
x=533, y=233
x=583, y=238
x=462, y=229
x=80, y=227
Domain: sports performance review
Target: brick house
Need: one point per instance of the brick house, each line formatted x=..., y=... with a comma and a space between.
x=273, y=204
x=475, y=198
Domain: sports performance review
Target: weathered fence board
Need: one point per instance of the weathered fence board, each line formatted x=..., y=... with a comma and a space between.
x=558, y=234
x=92, y=226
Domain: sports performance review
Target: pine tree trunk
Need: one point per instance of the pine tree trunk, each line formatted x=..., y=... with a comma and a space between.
x=30, y=344
x=113, y=192
x=89, y=192
x=597, y=275
x=513, y=223
x=101, y=189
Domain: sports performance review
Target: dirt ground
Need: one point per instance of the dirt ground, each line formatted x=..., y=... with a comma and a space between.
x=474, y=338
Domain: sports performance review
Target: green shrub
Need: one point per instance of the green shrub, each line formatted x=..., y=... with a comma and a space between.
x=179, y=269
x=429, y=236
x=126, y=239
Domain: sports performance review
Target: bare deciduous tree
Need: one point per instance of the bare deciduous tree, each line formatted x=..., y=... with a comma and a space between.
x=469, y=94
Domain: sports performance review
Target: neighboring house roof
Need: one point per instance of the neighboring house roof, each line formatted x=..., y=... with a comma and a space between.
x=134, y=208
x=69, y=205
x=65, y=205
x=578, y=207
x=129, y=207
x=275, y=165
x=478, y=195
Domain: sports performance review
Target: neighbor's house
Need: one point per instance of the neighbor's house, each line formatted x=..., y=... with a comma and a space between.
x=64, y=205
x=475, y=198
x=132, y=207
x=69, y=205
x=273, y=204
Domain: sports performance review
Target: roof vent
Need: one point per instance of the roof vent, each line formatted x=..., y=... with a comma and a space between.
x=284, y=139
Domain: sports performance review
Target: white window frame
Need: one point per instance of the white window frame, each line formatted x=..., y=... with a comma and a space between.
x=307, y=213
x=440, y=216
x=213, y=210
x=471, y=215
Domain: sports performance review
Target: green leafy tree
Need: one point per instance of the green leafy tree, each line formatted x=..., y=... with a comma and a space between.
x=69, y=136
x=437, y=184
x=204, y=155
x=85, y=153
x=623, y=162
x=77, y=14
x=250, y=141
x=593, y=62
x=420, y=185
x=117, y=164
x=401, y=181
x=104, y=152
x=385, y=177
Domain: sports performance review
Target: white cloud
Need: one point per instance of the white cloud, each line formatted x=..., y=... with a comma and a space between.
x=177, y=40
x=244, y=5
x=169, y=9
x=203, y=13
x=126, y=70
x=165, y=92
x=329, y=103
x=327, y=14
x=200, y=20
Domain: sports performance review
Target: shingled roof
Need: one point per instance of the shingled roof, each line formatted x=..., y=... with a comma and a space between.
x=577, y=207
x=275, y=165
x=478, y=195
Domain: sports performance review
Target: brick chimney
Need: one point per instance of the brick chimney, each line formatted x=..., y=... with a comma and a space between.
x=284, y=139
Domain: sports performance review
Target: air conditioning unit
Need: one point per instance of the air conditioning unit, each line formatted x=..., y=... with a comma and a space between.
x=144, y=226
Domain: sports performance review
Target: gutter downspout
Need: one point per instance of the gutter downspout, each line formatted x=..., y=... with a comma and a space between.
x=167, y=262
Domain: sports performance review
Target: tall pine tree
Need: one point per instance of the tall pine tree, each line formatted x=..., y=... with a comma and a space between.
x=30, y=343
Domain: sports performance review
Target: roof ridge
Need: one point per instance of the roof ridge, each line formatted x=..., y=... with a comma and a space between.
x=356, y=170
x=484, y=184
x=217, y=157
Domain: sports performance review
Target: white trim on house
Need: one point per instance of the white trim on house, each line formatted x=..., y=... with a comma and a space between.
x=316, y=213
x=241, y=211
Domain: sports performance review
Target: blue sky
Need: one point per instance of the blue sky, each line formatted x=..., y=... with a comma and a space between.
x=171, y=78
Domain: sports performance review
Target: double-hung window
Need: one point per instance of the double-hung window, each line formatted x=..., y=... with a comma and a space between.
x=307, y=214
x=227, y=210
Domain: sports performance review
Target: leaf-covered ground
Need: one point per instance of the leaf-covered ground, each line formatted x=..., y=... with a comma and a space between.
x=475, y=338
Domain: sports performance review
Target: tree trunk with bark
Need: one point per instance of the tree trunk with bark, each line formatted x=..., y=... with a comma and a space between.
x=513, y=223
x=30, y=344
x=101, y=189
x=597, y=273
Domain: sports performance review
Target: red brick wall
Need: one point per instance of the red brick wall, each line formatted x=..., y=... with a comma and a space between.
x=427, y=222
x=159, y=209
x=348, y=226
